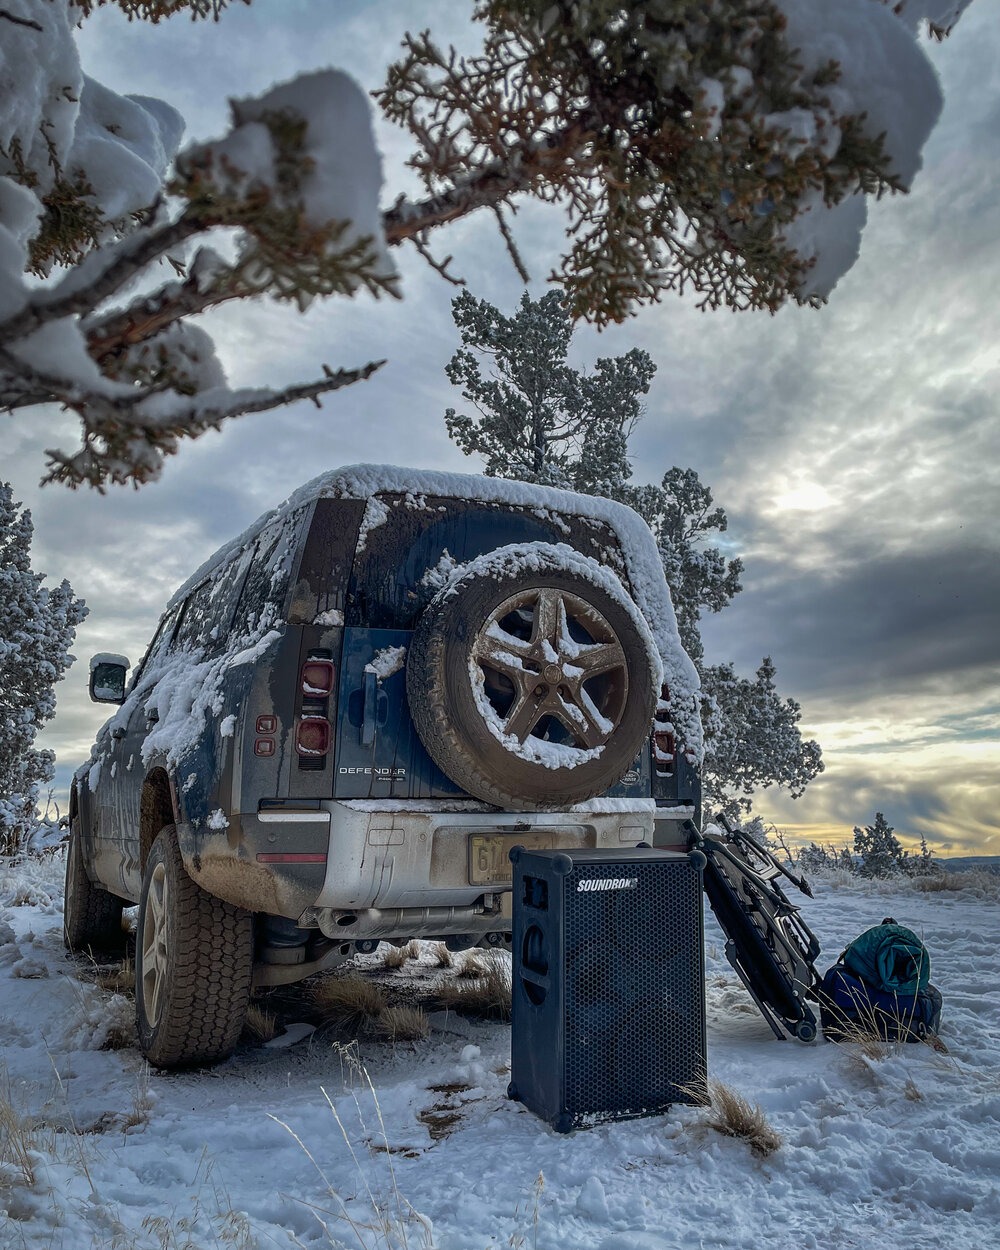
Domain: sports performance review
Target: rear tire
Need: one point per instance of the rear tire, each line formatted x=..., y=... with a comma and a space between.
x=92, y=918
x=193, y=965
x=530, y=683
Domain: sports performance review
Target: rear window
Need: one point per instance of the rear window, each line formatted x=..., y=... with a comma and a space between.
x=408, y=545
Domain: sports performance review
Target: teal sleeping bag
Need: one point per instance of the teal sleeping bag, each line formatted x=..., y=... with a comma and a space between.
x=889, y=957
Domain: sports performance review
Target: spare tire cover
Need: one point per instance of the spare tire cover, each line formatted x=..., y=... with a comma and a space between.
x=532, y=676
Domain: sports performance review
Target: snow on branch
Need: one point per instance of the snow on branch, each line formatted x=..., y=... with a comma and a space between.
x=123, y=444
x=82, y=207
x=726, y=149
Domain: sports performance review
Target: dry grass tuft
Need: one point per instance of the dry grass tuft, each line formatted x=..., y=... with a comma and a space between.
x=734, y=1116
x=397, y=956
x=118, y=980
x=402, y=1024
x=474, y=965
x=979, y=880
x=443, y=957
x=121, y=1036
x=910, y=1091
x=869, y=1041
x=17, y=1143
x=260, y=1025
x=142, y=1102
x=350, y=1004
x=486, y=994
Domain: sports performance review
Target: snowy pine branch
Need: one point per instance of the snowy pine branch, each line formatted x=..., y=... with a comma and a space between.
x=122, y=443
x=719, y=149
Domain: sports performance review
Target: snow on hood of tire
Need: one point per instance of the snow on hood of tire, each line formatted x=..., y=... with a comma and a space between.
x=645, y=569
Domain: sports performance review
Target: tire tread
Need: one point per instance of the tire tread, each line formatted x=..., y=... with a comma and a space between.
x=212, y=970
x=92, y=917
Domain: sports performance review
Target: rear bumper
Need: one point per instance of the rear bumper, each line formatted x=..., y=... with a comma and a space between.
x=349, y=856
x=360, y=869
x=388, y=855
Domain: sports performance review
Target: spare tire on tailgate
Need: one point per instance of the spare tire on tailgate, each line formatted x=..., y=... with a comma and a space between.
x=532, y=677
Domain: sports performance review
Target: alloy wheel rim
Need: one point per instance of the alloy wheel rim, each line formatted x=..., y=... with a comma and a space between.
x=154, y=945
x=551, y=667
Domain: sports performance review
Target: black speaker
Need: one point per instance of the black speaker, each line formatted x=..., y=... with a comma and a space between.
x=608, y=995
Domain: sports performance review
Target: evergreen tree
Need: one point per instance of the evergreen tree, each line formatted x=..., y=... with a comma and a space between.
x=752, y=738
x=879, y=852
x=715, y=148
x=925, y=865
x=815, y=858
x=679, y=512
x=541, y=420
x=37, y=625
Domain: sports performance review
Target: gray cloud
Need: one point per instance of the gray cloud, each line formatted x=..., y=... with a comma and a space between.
x=885, y=625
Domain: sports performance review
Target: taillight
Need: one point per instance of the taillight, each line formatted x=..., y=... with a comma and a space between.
x=264, y=743
x=664, y=742
x=312, y=736
x=316, y=681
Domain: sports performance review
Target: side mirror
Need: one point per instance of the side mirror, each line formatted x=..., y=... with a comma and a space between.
x=107, y=678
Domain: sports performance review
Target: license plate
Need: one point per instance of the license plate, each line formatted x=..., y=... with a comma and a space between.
x=489, y=862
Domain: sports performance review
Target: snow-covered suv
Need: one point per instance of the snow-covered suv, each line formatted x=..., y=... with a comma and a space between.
x=350, y=714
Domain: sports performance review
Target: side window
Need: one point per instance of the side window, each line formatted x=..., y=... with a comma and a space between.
x=157, y=648
x=209, y=611
x=223, y=596
x=269, y=569
x=320, y=590
x=195, y=623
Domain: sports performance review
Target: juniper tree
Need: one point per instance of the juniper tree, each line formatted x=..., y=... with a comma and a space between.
x=530, y=427
x=539, y=419
x=37, y=625
x=878, y=851
x=701, y=578
x=712, y=148
x=752, y=738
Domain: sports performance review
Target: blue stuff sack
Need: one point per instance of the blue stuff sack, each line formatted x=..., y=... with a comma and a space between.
x=889, y=958
x=851, y=1009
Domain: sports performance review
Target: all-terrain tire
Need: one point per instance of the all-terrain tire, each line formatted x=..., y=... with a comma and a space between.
x=531, y=679
x=193, y=965
x=92, y=918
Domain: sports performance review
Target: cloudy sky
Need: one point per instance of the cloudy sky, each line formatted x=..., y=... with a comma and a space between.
x=854, y=448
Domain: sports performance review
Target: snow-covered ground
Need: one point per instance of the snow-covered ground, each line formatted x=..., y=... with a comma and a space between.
x=286, y=1145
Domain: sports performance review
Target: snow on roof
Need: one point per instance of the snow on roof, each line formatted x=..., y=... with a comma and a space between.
x=645, y=568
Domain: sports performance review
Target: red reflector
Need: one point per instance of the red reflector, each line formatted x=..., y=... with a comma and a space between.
x=263, y=746
x=664, y=746
x=317, y=678
x=312, y=736
x=293, y=857
x=267, y=724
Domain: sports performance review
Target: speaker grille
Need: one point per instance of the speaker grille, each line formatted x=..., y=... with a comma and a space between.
x=633, y=986
x=609, y=1013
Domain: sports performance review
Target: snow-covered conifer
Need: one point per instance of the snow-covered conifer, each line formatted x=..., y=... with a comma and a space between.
x=752, y=738
x=701, y=579
x=529, y=426
x=724, y=148
x=539, y=419
x=879, y=852
x=37, y=625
